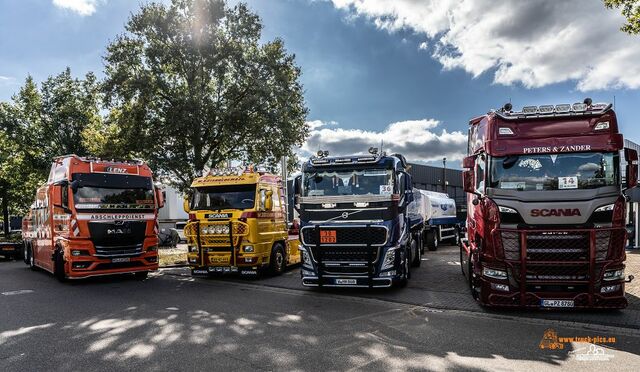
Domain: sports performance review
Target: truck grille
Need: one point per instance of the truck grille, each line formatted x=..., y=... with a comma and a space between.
x=348, y=235
x=122, y=238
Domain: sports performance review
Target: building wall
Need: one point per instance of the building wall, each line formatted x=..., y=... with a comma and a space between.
x=431, y=178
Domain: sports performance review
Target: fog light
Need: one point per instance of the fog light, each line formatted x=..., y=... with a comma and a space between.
x=193, y=248
x=81, y=265
x=614, y=274
x=248, y=248
x=388, y=273
x=152, y=259
x=500, y=287
x=76, y=252
x=308, y=273
x=493, y=273
x=193, y=260
x=152, y=248
x=306, y=258
x=248, y=259
x=610, y=288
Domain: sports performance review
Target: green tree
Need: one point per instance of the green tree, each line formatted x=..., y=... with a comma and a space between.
x=631, y=10
x=190, y=85
x=40, y=124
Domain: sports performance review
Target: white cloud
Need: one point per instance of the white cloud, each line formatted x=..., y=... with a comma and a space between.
x=5, y=78
x=82, y=7
x=534, y=43
x=417, y=140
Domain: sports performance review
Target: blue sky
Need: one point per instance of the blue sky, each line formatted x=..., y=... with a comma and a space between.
x=402, y=71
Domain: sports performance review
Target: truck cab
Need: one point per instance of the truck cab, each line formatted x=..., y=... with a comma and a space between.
x=94, y=217
x=546, y=207
x=238, y=223
x=354, y=226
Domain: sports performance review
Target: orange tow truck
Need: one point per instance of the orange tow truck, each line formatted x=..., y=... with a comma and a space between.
x=238, y=223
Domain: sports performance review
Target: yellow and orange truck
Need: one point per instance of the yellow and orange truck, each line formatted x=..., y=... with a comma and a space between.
x=238, y=223
x=94, y=217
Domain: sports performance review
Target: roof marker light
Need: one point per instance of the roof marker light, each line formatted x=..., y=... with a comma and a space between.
x=505, y=131
x=579, y=107
x=602, y=125
x=546, y=109
x=563, y=108
x=529, y=109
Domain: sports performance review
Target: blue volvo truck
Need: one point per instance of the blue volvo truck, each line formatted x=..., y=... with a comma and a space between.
x=354, y=227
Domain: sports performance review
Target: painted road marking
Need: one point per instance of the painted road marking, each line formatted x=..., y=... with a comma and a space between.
x=18, y=292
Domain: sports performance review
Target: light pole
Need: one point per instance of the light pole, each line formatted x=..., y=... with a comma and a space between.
x=444, y=175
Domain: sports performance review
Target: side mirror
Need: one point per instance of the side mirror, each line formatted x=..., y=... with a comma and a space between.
x=75, y=185
x=297, y=186
x=160, y=197
x=631, y=156
x=469, y=162
x=186, y=205
x=468, y=181
x=268, y=201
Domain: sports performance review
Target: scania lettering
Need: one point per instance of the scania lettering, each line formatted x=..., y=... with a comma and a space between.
x=355, y=230
x=546, y=207
x=238, y=223
x=94, y=217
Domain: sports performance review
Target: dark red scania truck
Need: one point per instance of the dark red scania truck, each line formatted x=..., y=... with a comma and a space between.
x=546, y=207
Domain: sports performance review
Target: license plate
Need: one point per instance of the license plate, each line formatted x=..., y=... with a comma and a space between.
x=120, y=259
x=557, y=303
x=199, y=272
x=328, y=237
x=346, y=281
x=7, y=248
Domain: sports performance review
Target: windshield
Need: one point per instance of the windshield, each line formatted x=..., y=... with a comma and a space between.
x=585, y=170
x=89, y=197
x=224, y=197
x=348, y=182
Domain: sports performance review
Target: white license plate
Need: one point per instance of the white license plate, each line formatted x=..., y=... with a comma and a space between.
x=346, y=281
x=557, y=303
x=120, y=259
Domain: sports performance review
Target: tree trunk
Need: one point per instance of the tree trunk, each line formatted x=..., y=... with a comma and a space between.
x=5, y=212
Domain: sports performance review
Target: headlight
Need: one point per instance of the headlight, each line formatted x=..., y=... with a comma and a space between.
x=606, y=208
x=507, y=210
x=306, y=257
x=493, y=273
x=389, y=259
x=224, y=229
x=614, y=274
x=76, y=253
x=248, y=248
x=308, y=273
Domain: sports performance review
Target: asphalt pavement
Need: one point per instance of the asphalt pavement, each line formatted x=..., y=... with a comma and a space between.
x=174, y=322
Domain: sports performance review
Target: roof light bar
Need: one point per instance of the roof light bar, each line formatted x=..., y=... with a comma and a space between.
x=563, y=108
x=546, y=109
x=579, y=107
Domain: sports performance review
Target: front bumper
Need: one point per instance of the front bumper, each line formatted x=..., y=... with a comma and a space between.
x=87, y=266
x=348, y=282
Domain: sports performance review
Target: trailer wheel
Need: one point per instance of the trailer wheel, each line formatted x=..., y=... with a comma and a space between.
x=58, y=269
x=277, y=261
x=416, y=255
x=432, y=240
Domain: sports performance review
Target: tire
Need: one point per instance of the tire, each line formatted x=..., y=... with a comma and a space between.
x=277, y=260
x=416, y=254
x=406, y=274
x=456, y=238
x=141, y=275
x=432, y=240
x=31, y=260
x=461, y=260
x=58, y=267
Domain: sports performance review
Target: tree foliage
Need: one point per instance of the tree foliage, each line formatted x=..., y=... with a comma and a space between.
x=39, y=124
x=190, y=85
x=631, y=10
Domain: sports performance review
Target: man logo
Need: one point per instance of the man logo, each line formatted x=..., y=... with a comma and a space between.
x=118, y=231
x=567, y=212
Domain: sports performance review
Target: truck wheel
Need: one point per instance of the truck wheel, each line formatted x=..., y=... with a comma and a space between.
x=26, y=256
x=432, y=240
x=276, y=263
x=456, y=238
x=461, y=260
x=58, y=269
x=406, y=273
x=31, y=260
x=141, y=275
x=415, y=254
